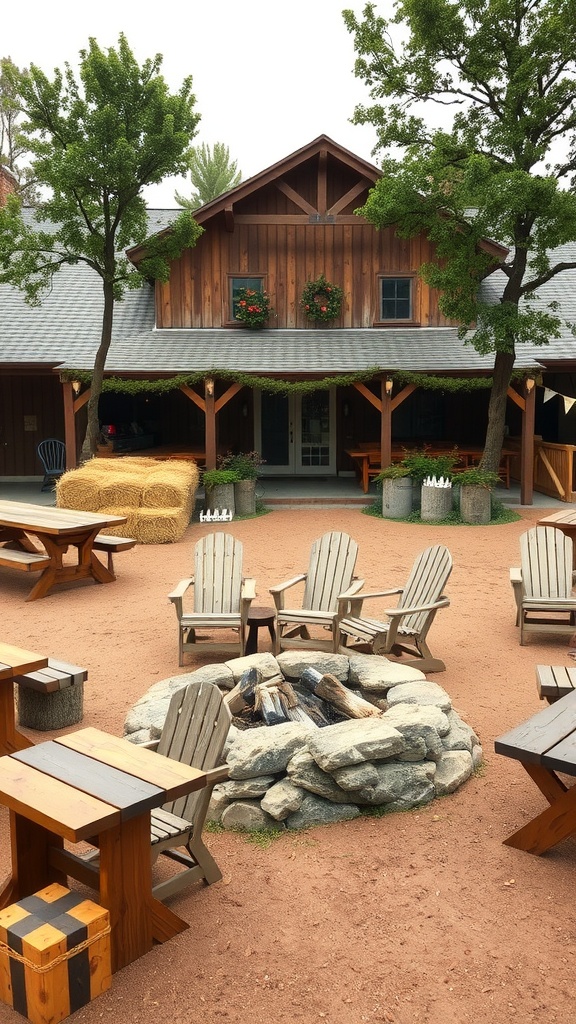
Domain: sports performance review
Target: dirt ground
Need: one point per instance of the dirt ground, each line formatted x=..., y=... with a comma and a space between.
x=422, y=916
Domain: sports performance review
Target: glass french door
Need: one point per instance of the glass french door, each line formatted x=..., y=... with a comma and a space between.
x=296, y=434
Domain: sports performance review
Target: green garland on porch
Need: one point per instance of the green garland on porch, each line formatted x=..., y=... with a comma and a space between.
x=271, y=385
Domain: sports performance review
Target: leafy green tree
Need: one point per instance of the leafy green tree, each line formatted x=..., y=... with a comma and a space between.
x=12, y=147
x=212, y=172
x=96, y=143
x=501, y=75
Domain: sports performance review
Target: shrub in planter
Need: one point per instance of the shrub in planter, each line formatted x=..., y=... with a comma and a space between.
x=219, y=487
x=246, y=466
x=396, y=491
x=476, y=486
x=420, y=465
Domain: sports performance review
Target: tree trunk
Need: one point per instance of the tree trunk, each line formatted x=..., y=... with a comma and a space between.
x=93, y=425
x=503, y=366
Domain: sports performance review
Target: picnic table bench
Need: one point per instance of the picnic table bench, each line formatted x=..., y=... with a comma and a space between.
x=546, y=745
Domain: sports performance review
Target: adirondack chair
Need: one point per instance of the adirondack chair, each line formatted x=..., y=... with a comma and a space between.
x=194, y=732
x=221, y=596
x=407, y=629
x=546, y=603
x=330, y=574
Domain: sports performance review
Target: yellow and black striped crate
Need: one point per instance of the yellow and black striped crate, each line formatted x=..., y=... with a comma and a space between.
x=54, y=954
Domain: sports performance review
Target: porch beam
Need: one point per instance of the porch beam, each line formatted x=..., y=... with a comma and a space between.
x=516, y=398
x=225, y=398
x=369, y=395
x=527, y=444
x=193, y=396
x=69, y=424
x=386, y=423
x=210, y=429
x=322, y=195
x=229, y=218
x=402, y=396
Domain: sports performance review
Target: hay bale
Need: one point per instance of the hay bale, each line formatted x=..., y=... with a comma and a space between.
x=167, y=487
x=134, y=463
x=79, y=490
x=121, y=488
x=122, y=529
x=157, y=525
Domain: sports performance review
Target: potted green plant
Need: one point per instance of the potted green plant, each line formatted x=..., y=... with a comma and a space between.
x=396, y=491
x=475, y=486
x=219, y=488
x=432, y=475
x=245, y=465
x=252, y=308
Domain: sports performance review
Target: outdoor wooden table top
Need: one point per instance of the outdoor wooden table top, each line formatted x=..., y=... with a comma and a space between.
x=14, y=662
x=88, y=784
x=47, y=519
x=564, y=518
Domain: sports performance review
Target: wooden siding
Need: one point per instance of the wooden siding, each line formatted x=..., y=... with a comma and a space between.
x=289, y=230
x=351, y=255
x=28, y=402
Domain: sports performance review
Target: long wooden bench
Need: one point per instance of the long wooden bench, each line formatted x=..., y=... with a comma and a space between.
x=52, y=697
x=25, y=560
x=111, y=545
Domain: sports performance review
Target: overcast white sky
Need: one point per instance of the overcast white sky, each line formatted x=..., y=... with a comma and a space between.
x=268, y=77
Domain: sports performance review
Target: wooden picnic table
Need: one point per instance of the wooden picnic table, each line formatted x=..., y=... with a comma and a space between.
x=546, y=745
x=366, y=457
x=14, y=662
x=56, y=529
x=89, y=784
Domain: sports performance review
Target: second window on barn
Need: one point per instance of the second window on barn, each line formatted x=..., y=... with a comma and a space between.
x=396, y=299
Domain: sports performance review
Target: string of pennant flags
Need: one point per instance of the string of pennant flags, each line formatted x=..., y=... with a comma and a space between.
x=568, y=402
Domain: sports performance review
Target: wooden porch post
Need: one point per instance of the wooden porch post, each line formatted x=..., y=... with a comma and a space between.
x=210, y=435
x=527, y=444
x=69, y=424
x=386, y=422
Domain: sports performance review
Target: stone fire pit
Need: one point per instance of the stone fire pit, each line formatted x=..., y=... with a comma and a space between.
x=293, y=776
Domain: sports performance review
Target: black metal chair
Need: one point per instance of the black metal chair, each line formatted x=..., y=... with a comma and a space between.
x=52, y=455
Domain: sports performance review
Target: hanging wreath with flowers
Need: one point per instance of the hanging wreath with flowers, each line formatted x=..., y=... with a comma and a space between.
x=252, y=308
x=321, y=301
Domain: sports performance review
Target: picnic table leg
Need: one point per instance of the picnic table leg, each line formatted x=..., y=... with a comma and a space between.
x=31, y=870
x=557, y=822
x=10, y=738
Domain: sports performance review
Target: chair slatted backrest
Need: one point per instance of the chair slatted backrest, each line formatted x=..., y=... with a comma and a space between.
x=52, y=455
x=217, y=574
x=546, y=561
x=425, y=584
x=330, y=571
x=194, y=733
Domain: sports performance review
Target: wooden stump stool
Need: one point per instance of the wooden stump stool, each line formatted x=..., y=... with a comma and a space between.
x=259, y=616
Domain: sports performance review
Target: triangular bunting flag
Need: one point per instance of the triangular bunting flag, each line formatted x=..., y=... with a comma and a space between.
x=548, y=394
x=568, y=403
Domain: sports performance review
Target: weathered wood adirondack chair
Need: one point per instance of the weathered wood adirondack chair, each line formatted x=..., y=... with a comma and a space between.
x=221, y=596
x=195, y=731
x=330, y=574
x=406, y=631
x=544, y=585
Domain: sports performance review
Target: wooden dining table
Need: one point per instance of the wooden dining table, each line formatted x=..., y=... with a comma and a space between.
x=366, y=459
x=14, y=661
x=55, y=529
x=91, y=786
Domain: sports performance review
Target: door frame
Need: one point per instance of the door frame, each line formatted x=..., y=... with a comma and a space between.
x=294, y=466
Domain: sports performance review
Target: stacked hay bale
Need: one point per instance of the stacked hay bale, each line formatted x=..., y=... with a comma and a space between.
x=157, y=497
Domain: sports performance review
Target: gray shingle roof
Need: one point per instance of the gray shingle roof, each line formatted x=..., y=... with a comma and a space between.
x=65, y=331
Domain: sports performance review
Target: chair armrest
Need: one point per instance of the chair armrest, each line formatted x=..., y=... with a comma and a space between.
x=442, y=602
x=278, y=591
x=351, y=604
x=178, y=593
x=248, y=592
x=354, y=587
x=180, y=589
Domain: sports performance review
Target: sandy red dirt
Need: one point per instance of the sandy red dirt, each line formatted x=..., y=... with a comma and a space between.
x=423, y=916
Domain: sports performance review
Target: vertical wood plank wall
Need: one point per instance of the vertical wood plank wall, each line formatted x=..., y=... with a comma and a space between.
x=28, y=402
x=288, y=255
